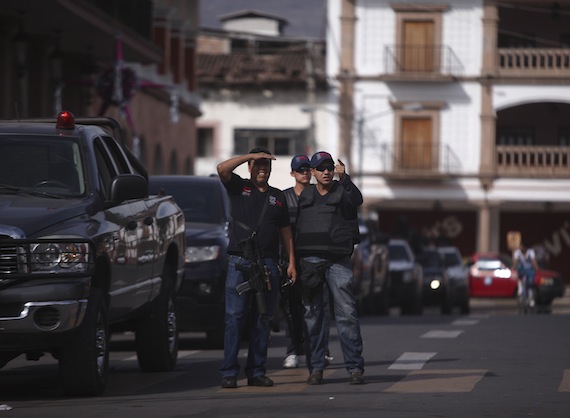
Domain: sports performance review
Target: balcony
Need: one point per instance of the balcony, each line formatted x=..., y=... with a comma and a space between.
x=534, y=62
x=421, y=62
x=533, y=161
x=418, y=161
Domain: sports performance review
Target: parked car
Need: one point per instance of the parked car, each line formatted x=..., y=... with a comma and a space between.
x=370, y=270
x=206, y=208
x=85, y=250
x=435, y=283
x=457, y=276
x=406, y=278
x=490, y=275
x=549, y=285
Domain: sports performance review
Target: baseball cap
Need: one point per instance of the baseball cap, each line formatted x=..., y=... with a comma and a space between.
x=299, y=161
x=320, y=157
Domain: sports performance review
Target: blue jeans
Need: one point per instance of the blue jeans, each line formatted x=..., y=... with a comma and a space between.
x=237, y=309
x=528, y=273
x=339, y=280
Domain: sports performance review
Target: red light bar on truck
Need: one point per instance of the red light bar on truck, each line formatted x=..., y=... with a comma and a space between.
x=65, y=120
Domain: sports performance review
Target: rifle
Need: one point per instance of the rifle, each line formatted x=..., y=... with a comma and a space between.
x=257, y=273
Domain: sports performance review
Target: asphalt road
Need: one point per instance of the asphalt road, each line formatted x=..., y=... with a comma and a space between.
x=494, y=362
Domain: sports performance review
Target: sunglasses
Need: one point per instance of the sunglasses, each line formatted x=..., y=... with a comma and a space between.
x=322, y=168
x=303, y=170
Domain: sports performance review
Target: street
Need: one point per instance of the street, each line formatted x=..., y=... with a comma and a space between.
x=494, y=362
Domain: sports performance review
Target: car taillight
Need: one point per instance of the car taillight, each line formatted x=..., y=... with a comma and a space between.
x=65, y=120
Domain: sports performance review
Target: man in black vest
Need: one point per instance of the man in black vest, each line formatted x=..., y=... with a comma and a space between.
x=291, y=295
x=291, y=302
x=327, y=230
x=258, y=207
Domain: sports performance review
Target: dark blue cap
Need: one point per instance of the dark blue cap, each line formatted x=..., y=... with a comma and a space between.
x=320, y=157
x=299, y=161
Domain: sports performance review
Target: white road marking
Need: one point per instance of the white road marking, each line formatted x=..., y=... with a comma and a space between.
x=465, y=322
x=187, y=353
x=438, y=381
x=411, y=361
x=442, y=334
x=181, y=354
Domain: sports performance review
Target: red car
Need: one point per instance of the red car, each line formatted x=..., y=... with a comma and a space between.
x=490, y=275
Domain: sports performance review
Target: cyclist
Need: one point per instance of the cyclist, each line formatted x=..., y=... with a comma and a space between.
x=524, y=262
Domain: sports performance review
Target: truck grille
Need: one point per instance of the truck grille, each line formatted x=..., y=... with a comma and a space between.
x=8, y=257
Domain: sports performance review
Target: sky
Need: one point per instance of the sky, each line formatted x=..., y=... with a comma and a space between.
x=306, y=18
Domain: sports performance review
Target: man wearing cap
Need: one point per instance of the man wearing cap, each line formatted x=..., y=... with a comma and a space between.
x=258, y=207
x=291, y=302
x=326, y=232
x=290, y=295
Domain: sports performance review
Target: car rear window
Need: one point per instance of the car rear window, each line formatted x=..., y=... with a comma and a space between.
x=200, y=202
x=398, y=252
x=489, y=264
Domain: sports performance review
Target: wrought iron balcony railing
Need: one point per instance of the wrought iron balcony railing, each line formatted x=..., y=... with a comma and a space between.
x=418, y=60
x=533, y=161
x=419, y=159
x=534, y=61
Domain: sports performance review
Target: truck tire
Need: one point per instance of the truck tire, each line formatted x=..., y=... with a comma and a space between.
x=156, y=332
x=84, y=362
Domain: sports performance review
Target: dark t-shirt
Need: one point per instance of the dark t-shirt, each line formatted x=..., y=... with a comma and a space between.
x=247, y=204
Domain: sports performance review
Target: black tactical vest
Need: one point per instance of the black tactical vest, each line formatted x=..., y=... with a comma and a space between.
x=321, y=229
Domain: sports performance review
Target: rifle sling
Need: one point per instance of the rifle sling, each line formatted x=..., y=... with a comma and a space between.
x=261, y=215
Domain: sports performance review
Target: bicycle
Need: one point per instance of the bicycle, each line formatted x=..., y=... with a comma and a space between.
x=526, y=294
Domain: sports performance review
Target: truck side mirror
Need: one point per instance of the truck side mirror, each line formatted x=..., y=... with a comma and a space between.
x=127, y=187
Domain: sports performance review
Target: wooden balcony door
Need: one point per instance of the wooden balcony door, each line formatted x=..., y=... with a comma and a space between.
x=419, y=52
x=416, y=150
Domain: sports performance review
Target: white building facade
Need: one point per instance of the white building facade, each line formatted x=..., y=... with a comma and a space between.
x=454, y=117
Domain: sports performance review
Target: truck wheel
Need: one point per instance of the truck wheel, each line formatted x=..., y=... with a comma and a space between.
x=84, y=362
x=156, y=332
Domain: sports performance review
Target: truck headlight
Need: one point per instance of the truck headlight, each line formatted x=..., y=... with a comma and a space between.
x=206, y=253
x=62, y=257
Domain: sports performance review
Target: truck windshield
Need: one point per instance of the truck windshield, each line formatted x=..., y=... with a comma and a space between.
x=46, y=164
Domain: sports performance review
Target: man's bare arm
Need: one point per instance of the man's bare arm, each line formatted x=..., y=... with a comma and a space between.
x=226, y=168
x=287, y=241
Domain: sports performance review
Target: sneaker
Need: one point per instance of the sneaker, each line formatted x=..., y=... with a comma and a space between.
x=260, y=381
x=315, y=378
x=328, y=360
x=355, y=378
x=229, y=382
x=291, y=362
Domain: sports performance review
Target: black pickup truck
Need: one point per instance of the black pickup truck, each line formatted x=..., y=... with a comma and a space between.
x=84, y=250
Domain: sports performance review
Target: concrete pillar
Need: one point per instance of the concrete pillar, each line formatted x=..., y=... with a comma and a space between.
x=490, y=30
x=346, y=78
x=484, y=228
